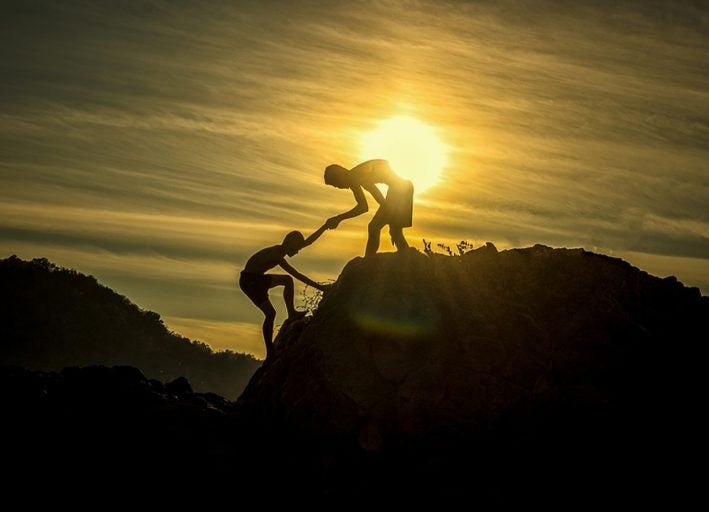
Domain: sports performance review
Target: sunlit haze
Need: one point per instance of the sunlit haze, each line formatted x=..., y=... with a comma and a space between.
x=412, y=148
x=157, y=145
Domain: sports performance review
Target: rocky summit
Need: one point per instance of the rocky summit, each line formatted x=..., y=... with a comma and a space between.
x=491, y=370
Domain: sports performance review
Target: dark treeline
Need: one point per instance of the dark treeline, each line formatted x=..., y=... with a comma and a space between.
x=51, y=317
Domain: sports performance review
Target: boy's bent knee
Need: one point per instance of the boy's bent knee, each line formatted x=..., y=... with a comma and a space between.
x=281, y=280
x=375, y=227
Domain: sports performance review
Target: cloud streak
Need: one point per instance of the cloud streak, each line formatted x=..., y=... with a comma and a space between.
x=157, y=145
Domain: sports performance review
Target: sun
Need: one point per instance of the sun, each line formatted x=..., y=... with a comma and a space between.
x=412, y=148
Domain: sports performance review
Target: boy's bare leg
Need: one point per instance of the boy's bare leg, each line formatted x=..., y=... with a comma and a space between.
x=288, y=294
x=397, y=236
x=374, y=230
x=270, y=316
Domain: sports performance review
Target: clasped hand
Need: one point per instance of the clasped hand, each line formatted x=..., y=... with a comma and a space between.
x=332, y=222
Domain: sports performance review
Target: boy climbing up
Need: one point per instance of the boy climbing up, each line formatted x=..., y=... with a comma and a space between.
x=255, y=283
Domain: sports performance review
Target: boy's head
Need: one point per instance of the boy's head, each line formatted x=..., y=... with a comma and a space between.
x=293, y=242
x=336, y=176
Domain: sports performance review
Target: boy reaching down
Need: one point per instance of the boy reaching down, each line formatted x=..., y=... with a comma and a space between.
x=255, y=283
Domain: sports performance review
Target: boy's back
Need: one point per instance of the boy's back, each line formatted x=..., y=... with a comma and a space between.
x=264, y=260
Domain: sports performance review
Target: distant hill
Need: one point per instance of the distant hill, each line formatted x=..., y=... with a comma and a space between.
x=51, y=317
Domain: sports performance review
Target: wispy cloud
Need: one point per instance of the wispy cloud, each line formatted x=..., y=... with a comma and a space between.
x=158, y=144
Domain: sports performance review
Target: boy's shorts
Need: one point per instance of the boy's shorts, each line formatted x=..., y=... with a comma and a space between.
x=255, y=286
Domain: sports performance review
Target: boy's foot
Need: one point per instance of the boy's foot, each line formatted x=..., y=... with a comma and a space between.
x=297, y=315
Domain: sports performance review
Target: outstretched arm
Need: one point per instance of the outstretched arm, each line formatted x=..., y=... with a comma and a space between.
x=376, y=193
x=315, y=235
x=300, y=277
x=360, y=208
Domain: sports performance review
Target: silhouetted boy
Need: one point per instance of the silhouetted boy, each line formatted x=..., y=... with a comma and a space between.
x=255, y=283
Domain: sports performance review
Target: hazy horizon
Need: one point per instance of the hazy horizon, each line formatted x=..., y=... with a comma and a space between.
x=157, y=145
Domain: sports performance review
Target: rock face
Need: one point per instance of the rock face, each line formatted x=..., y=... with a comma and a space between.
x=423, y=364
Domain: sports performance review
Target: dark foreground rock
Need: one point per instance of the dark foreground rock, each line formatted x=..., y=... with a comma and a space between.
x=99, y=417
x=525, y=377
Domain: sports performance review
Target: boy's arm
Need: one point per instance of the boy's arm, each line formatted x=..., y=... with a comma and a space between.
x=360, y=208
x=315, y=235
x=376, y=193
x=285, y=266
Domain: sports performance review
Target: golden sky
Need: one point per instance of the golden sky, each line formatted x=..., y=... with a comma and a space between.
x=157, y=145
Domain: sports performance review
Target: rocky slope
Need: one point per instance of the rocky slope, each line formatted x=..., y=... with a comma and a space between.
x=487, y=368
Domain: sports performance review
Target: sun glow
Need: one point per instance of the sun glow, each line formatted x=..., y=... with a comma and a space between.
x=412, y=148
